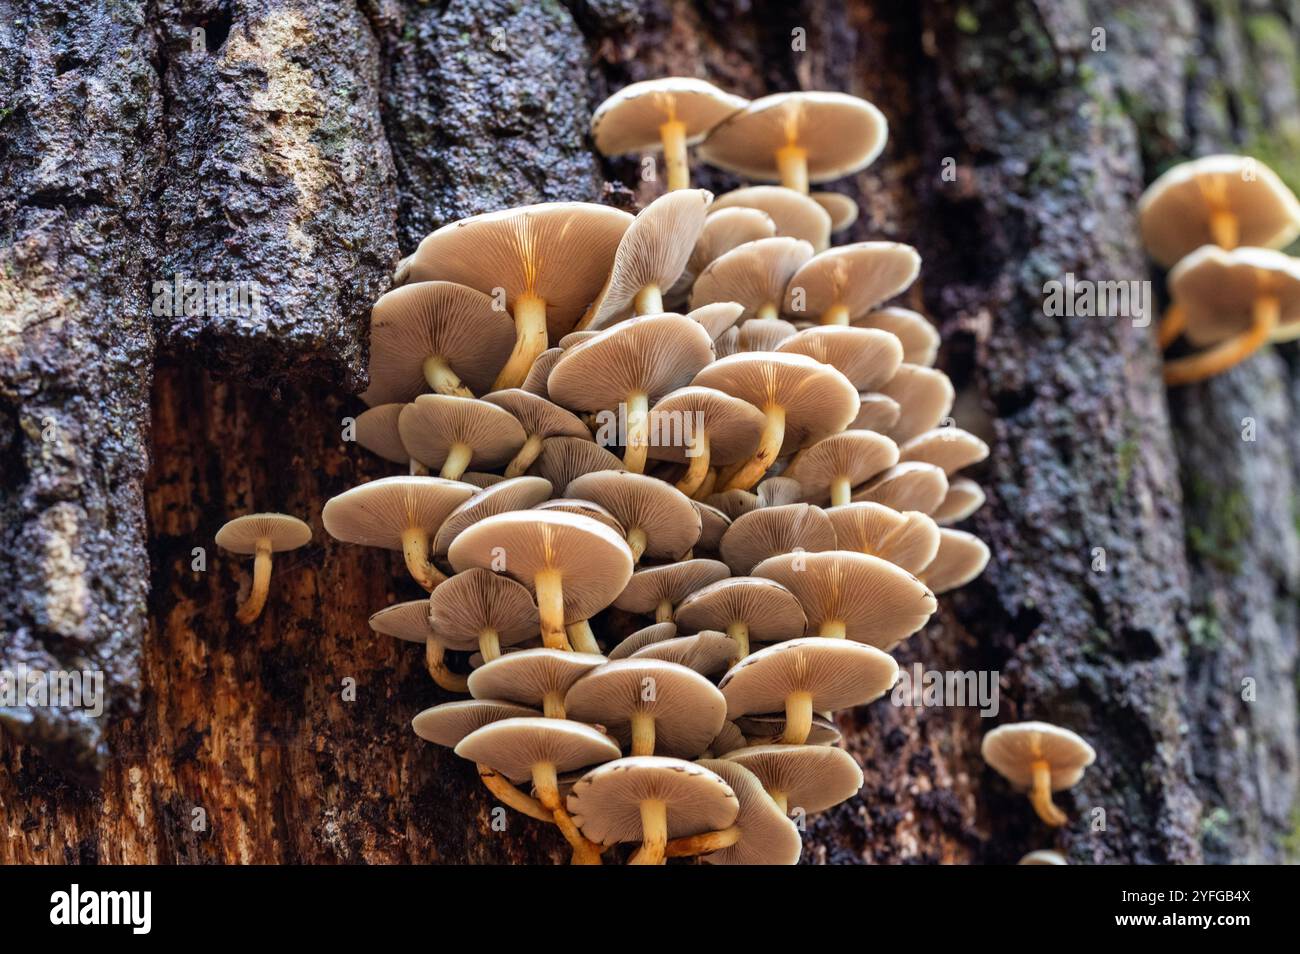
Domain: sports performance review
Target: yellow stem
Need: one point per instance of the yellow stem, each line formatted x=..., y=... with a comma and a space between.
x=417, y=469
x=444, y=677
x=833, y=629
x=792, y=160
x=637, y=542
x=510, y=796
x=530, y=341
x=442, y=379
x=489, y=644
x=697, y=467
x=457, y=461
x=769, y=446
x=527, y=454
x=836, y=315
x=547, y=787
x=251, y=608
x=798, y=718
x=581, y=638
x=649, y=301
x=841, y=491
x=740, y=633
x=549, y=588
x=782, y=801
x=702, y=844
x=664, y=611
x=1221, y=357
x=638, y=433
x=643, y=733
x=1171, y=325
x=706, y=488
x=654, y=833
x=1224, y=228
x=767, y=312
x=1040, y=795
x=673, y=136
x=415, y=548
x=553, y=705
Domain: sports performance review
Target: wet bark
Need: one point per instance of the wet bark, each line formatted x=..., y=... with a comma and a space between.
x=1145, y=555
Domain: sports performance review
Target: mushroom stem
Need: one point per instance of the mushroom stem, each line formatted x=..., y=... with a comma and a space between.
x=673, y=136
x=457, y=462
x=782, y=801
x=769, y=445
x=506, y=793
x=581, y=638
x=767, y=311
x=654, y=833
x=550, y=608
x=442, y=379
x=643, y=733
x=638, y=433
x=1171, y=325
x=697, y=467
x=836, y=315
x=664, y=611
x=792, y=160
x=833, y=629
x=706, y=488
x=637, y=542
x=1224, y=228
x=1221, y=357
x=553, y=705
x=251, y=608
x=444, y=677
x=798, y=718
x=703, y=843
x=649, y=300
x=1040, y=795
x=530, y=341
x=740, y=633
x=489, y=644
x=527, y=454
x=841, y=491
x=547, y=787
x=417, y=469
x=415, y=549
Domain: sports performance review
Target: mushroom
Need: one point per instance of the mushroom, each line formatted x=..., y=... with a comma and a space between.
x=909, y=539
x=963, y=499
x=533, y=677
x=919, y=338
x=851, y=595
x=1043, y=857
x=584, y=508
x=798, y=138
x=707, y=652
x=761, y=834
x=801, y=675
x=476, y=478
x=724, y=229
x=376, y=431
x=713, y=524
x=436, y=336
x=717, y=317
x=808, y=777
x=925, y=397
x=658, y=520
x=397, y=513
x=767, y=531
x=779, y=491
x=829, y=469
x=842, y=210
x=535, y=380
x=651, y=705
x=1040, y=758
x=802, y=400
x=634, y=642
x=409, y=621
x=728, y=739
x=733, y=503
x=261, y=534
x=961, y=558
x=907, y=486
x=844, y=283
x=516, y=493
x=657, y=590
x=540, y=419
x=629, y=367
x=767, y=728
x=746, y=608
x=550, y=260
x=876, y=413
x=670, y=113
x=754, y=275
x=754, y=334
x=948, y=448
x=703, y=428
x=650, y=799
x=454, y=432
x=794, y=214
x=564, y=459
x=866, y=356
x=480, y=610
x=575, y=565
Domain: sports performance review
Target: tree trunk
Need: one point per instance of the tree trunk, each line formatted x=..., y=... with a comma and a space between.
x=1146, y=558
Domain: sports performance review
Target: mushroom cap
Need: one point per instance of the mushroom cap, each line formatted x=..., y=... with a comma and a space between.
x=376, y=514
x=606, y=802
x=481, y=479
x=733, y=503
x=908, y=539
x=858, y=276
x=908, y=486
x=538, y=415
x=779, y=491
x=535, y=382
x=753, y=274
x=284, y=532
x=962, y=557
x=919, y=338
x=733, y=425
x=376, y=431
x=948, y=448
x=728, y=739
x=1043, y=857
x=1012, y=749
x=651, y=354
x=767, y=531
x=866, y=356
x=794, y=214
x=726, y=228
x=717, y=316
x=629, y=121
x=513, y=746
x=687, y=709
x=594, y=561
x=713, y=524
x=584, y=508
x=842, y=210
x=1174, y=211
x=560, y=252
x=963, y=499
x=812, y=777
x=818, y=400
x=841, y=134
x=767, y=837
x=563, y=459
x=755, y=335
x=766, y=728
x=638, y=502
x=838, y=673
x=879, y=603
x=671, y=581
x=408, y=621
x=855, y=455
x=450, y=722
x=529, y=675
x=925, y=396
x=1217, y=290
x=463, y=606
x=707, y=652
x=432, y=423
x=515, y=493
x=876, y=413
x=770, y=610
x=634, y=642
x=434, y=319
x=577, y=337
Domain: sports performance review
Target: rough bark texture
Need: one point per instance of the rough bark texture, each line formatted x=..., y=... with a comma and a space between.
x=301, y=147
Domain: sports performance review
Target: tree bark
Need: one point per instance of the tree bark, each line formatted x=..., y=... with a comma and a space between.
x=1146, y=558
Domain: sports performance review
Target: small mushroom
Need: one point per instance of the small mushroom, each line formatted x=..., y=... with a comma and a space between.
x=963, y=499
x=1040, y=758
x=767, y=531
x=961, y=557
x=708, y=653
x=844, y=283
x=657, y=590
x=829, y=469
x=409, y=621
x=908, y=539
x=479, y=609
x=717, y=317
x=658, y=520
x=866, y=356
x=376, y=431
x=533, y=677
x=261, y=534
x=754, y=275
x=925, y=397
x=794, y=214
x=516, y=493
x=565, y=459
x=634, y=642
x=919, y=338
x=453, y=433
x=948, y=448
x=908, y=486
x=703, y=428
x=808, y=777
x=540, y=419
x=746, y=608
x=842, y=210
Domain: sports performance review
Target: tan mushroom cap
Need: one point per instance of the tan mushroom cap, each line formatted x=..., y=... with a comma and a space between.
x=538, y=415
x=925, y=396
x=919, y=338
x=876, y=413
x=962, y=557
x=707, y=652
x=1012, y=749
x=514, y=746
x=656, y=515
x=686, y=708
x=376, y=431
x=909, y=539
x=779, y=491
x=434, y=424
x=767, y=836
x=455, y=324
x=634, y=642
x=1217, y=291
x=450, y=722
x=794, y=214
x=948, y=448
x=733, y=503
x=850, y=457
x=516, y=493
x=713, y=524
x=811, y=777
x=529, y=676
x=560, y=252
x=837, y=673
x=754, y=275
x=766, y=728
x=908, y=486
x=725, y=229
x=770, y=610
x=594, y=562
x=1175, y=212
x=731, y=424
x=963, y=499
x=584, y=508
x=670, y=583
x=717, y=317
x=840, y=133
x=629, y=121
x=280, y=530
x=756, y=334
x=728, y=739
x=535, y=381
x=842, y=210
x=853, y=278
x=481, y=479
x=376, y=514
x=465, y=605
x=866, y=356
x=871, y=599
x=564, y=459
x=767, y=531
x=408, y=621
x=606, y=802
x=576, y=337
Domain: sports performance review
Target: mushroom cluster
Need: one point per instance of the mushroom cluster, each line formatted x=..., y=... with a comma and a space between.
x=662, y=546
x=1216, y=223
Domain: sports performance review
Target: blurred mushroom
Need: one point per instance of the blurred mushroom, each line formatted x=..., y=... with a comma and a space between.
x=842, y=210
x=808, y=777
x=1040, y=758
x=452, y=433
x=844, y=283
x=794, y=214
x=961, y=558
x=746, y=608
x=754, y=275
x=540, y=419
x=829, y=469
x=908, y=539
x=656, y=591
x=767, y=531
x=261, y=534
x=703, y=428
x=480, y=610
x=919, y=338
x=1043, y=857
x=658, y=519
